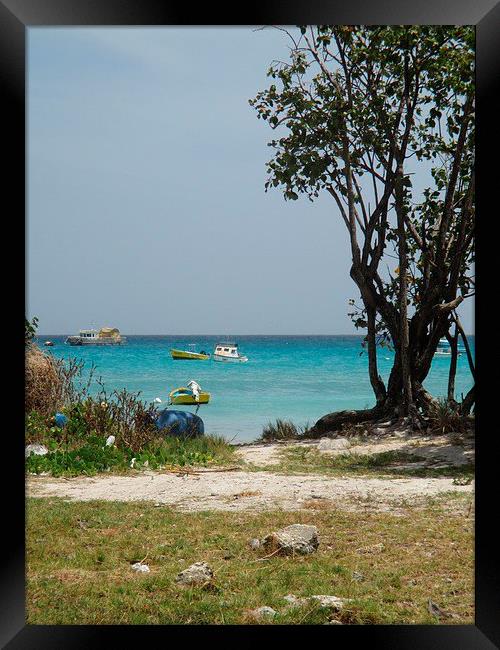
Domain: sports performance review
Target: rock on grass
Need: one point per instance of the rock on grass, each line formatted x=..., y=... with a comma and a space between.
x=262, y=612
x=297, y=538
x=330, y=602
x=198, y=573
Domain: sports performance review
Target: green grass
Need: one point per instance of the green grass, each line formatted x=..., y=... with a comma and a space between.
x=283, y=430
x=79, y=555
x=92, y=456
x=396, y=463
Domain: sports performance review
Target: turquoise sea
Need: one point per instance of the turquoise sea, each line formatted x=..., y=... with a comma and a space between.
x=299, y=378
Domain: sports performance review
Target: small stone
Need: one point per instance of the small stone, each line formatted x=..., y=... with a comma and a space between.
x=138, y=567
x=263, y=612
x=254, y=543
x=359, y=577
x=110, y=440
x=333, y=622
x=197, y=574
x=38, y=450
x=297, y=538
x=330, y=602
x=132, y=463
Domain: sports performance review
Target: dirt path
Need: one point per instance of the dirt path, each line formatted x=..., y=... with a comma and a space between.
x=267, y=490
x=242, y=490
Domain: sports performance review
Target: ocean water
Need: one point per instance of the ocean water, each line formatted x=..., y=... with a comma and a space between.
x=299, y=378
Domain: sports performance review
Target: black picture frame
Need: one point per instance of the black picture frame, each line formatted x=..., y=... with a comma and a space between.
x=16, y=16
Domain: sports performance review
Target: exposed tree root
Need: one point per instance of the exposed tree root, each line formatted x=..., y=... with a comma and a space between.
x=332, y=422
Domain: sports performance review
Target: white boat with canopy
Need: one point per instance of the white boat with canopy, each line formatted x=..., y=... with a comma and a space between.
x=228, y=351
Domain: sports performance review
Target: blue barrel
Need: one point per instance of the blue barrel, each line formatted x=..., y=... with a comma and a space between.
x=180, y=424
x=61, y=420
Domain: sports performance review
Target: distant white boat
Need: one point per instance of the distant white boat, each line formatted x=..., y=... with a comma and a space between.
x=444, y=348
x=227, y=351
x=105, y=336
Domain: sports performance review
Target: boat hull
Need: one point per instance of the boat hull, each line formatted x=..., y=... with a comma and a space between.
x=186, y=397
x=77, y=340
x=188, y=356
x=220, y=357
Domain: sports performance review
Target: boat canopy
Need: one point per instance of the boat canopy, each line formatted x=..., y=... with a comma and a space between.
x=109, y=332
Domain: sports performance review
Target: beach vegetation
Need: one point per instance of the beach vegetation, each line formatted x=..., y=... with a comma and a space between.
x=30, y=328
x=392, y=463
x=444, y=418
x=105, y=431
x=92, y=455
x=80, y=555
x=283, y=430
x=360, y=112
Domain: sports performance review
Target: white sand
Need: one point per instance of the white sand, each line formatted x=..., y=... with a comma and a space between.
x=267, y=490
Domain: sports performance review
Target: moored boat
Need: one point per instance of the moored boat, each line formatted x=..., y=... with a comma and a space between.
x=192, y=394
x=444, y=348
x=189, y=355
x=228, y=351
x=105, y=336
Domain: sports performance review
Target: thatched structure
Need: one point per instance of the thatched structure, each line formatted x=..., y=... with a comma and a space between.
x=43, y=384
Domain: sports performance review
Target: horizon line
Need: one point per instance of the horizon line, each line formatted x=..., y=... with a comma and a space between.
x=231, y=335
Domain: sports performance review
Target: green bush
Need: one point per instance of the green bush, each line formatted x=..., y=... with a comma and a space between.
x=93, y=455
x=445, y=418
x=80, y=447
x=283, y=430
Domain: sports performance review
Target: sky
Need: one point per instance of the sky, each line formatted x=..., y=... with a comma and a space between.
x=146, y=202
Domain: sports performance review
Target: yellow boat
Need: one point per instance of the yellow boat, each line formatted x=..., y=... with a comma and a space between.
x=189, y=355
x=183, y=395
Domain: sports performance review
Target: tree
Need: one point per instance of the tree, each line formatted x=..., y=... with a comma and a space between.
x=358, y=111
x=30, y=330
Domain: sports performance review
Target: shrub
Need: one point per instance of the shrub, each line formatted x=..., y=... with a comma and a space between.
x=95, y=456
x=80, y=447
x=283, y=430
x=92, y=457
x=444, y=418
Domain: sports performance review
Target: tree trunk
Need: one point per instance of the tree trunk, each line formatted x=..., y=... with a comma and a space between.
x=468, y=401
x=375, y=379
x=466, y=345
x=403, y=295
x=453, y=341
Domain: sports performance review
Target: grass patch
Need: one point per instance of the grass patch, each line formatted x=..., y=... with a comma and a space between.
x=283, y=430
x=92, y=455
x=79, y=556
x=303, y=459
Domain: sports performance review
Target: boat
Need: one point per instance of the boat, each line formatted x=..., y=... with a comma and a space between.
x=228, y=351
x=192, y=394
x=189, y=355
x=105, y=336
x=48, y=344
x=444, y=348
